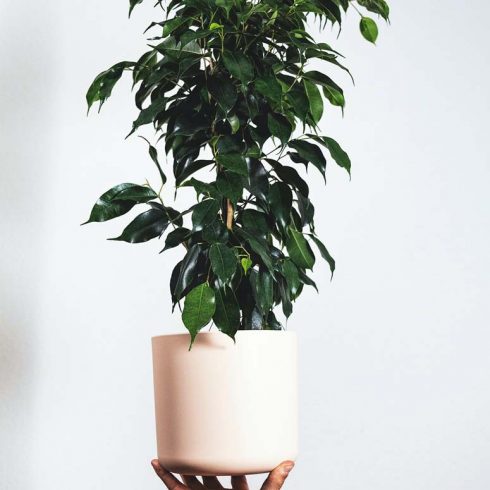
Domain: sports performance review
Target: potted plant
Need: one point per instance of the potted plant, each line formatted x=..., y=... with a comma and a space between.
x=226, y=86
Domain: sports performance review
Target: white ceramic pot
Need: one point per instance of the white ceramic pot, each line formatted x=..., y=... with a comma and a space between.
x=225, y=408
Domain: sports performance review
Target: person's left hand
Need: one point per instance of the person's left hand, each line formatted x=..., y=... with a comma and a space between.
x=274, y=481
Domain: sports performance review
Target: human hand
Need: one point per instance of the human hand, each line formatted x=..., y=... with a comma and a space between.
x=274, y=481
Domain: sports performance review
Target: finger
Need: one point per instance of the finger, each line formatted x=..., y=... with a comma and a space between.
x=192, y=482
x=276, y=479
x=239, y=483
x=170, y=481
x=212, y=482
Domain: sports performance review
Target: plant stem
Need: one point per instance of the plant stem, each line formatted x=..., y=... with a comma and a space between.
x=229, y=215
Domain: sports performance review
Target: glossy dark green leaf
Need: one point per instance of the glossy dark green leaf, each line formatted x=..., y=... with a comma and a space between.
x=324, y=253
x=315, y=100
x=287, y=307
x=263, y=288
x=201, y=187
x=152, y=151
x=336, y=152
x=144, y=227
x=187, y=167
x=227, y=313
x=280, y=127
x=199, y=308
x=290, y=175
x=234, y=162
x=216, y=232
x=230, y=185
x=101, y=88
x=330, y=89
x=119, y=200
x=224, y=92
x=204, y=214
x=258, y=180
x=239, y=66
x=223, y=261
x=376, y=6
x=255, y=222
x=369, y=29
x=259, y=246
x=311, y=153
x=299, y=250
x=148, y=115
x=176, y=238
x=291, y=274
x=269, y=87
x=254, y=320
x=280, y=203
x=187, y=272
x=132, y=4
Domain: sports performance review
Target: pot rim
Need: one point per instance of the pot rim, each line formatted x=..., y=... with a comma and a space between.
x=240, y=333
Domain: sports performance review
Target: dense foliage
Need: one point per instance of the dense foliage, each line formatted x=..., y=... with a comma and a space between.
x=226, y=86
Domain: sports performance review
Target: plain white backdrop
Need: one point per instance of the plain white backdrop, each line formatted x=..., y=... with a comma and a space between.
x=395, y=368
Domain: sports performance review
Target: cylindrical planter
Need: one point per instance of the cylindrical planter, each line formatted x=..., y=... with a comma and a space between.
x=226, y=408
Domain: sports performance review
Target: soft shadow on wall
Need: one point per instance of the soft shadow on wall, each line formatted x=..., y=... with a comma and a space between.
x=26, y=101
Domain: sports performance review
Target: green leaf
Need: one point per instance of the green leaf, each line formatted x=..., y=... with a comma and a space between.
x=234, y=162
x=230, y=185
x=337, y=153
x=227, y=313
x=299, y=250
x=280, y=127
x=148, y=115
x=216, y=232
x=223, y=261
x=119, y=200
x=263, y=289
x=315, y=100
x=154, y=156
x=331, y=90
x=101, y=88
x=246, y=264
x=311, y=153
x=291, y=274
x=176, y=238
x=234, y=123
x=258, y=180
x=187, y=271
x=369, y=29
x=376, y=6
x=255, y=222
x=259, y=246
x=269, y=87
x=324, y=252
x=200, y=187
x=280, y=203
x=199, y=308
x=204, y=214
x=290, y=176
x=132, y=4
x=144, y=227
x=186, y=167
x=225, y=4
x=223, y=91
x=239, y=66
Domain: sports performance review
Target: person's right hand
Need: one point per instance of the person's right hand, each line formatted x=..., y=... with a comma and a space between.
x=274, y=481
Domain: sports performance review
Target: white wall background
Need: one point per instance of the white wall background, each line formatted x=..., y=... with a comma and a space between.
x=395, y=375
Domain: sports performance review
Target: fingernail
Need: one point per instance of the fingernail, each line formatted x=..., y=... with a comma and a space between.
x=286, y=469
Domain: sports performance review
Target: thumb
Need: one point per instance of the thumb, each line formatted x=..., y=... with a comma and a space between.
x=277, y=477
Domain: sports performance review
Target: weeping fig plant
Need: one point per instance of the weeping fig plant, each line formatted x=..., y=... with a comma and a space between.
x=226, y=85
